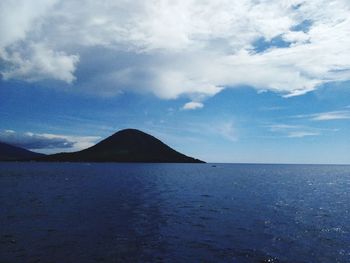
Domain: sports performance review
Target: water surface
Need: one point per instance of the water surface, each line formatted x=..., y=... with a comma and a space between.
x=51, y=212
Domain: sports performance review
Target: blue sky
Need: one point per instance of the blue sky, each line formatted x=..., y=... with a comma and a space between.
x=223, y=82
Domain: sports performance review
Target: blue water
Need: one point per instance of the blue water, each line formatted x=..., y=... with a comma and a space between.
x=174, y=213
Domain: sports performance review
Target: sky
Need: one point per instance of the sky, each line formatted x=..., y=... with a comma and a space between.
x=252, y=81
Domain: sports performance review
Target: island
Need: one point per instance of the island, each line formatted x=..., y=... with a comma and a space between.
x=128, y=146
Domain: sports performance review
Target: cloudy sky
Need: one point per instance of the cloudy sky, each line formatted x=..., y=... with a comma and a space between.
x=222, y=80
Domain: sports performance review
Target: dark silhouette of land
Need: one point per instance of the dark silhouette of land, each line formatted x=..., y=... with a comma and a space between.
x=128, y=145
x=13, y=153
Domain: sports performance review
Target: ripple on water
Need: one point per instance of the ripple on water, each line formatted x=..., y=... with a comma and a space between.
x=174, y=213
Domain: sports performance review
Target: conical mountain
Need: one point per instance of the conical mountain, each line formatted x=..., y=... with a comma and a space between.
x=128, y=145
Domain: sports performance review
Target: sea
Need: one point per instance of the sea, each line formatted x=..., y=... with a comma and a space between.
x=88, y=212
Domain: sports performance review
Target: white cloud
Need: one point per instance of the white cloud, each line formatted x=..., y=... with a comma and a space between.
x=302, y=134
x=174, y=48
x=47, y=143
x=79, y=142
x=193, y=105
x=39, y=62
x=331, y=115
x=296, y=37
x=29, y=140
x=22, y=49
x=20, y=17
x=297, y=131
x=282, y=127
x=327, y=116
x=228, y=131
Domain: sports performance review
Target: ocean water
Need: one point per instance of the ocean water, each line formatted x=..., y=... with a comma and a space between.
x=52, y=212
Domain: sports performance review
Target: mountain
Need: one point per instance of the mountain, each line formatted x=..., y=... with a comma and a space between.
x=128, y=145
x=13, y=153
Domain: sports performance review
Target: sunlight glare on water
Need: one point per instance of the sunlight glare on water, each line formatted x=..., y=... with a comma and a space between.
x=174, y=213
